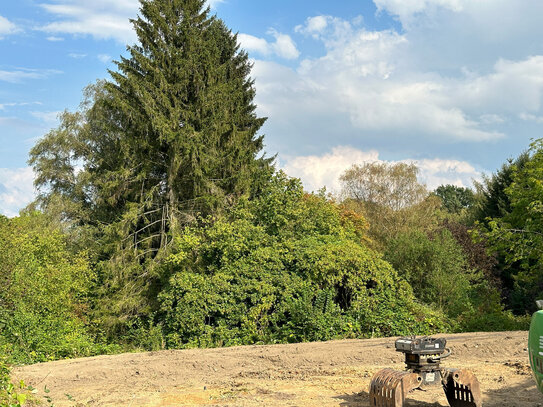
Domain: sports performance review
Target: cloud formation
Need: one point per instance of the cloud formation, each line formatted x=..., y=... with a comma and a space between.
x=368, y=76
x=52, y=38
x=22, y=74
x=317, y=171
x=450, y=79
x=76, y=55
x=47, y=117
x=6, y=105
x=7, y=27
x=16, y=189
x=101, y=19
x=407, y=10
x=104, y=58
x=283, y=46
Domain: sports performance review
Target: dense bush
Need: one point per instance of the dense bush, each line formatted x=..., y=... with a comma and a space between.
x=435, y=267
x=441, y=271
x=43, y=292
x=284, y=267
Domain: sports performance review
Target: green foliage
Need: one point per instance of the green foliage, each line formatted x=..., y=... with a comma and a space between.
x=390, y=197
x=10, y=395
x=435, y=267
x=517, y=236
x=476, y=252
x=172, y=136
x=448, y=272
x=391, y=185
x=285, y=267
x=454, y=198
x=430, y=248
x=488, y=314
x=191, y=239
x=492, y=199
x=43, y=292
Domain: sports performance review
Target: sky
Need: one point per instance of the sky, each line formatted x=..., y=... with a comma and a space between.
x=454, y=86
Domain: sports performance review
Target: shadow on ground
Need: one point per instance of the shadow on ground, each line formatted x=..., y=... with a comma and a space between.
x=362, y=399
x=524, y=394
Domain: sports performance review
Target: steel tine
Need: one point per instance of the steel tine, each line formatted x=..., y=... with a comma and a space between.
x=462, y=388
x=388, y=387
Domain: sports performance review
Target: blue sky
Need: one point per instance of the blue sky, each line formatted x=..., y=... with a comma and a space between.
x=453, y=85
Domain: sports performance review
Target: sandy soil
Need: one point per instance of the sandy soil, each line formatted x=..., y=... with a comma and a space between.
x=324, y=374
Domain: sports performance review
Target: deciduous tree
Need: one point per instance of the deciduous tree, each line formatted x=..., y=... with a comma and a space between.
x=455, y=198
x=390, y=197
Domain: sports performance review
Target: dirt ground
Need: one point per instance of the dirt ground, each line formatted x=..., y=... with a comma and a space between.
x=335, y=373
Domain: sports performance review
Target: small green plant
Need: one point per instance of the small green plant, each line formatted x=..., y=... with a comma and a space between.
x=10, y=395
x=47, y=397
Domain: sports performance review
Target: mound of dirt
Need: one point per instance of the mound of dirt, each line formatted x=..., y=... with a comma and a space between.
x=335, y=373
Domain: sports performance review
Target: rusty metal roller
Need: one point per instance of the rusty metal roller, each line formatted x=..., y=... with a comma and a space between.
x=389, y=388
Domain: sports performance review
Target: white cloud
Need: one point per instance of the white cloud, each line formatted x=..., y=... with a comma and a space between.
x=7, y=27
x=450, y=78
x=317, y=171
x=314, y=25
x=102, y=19
x=104, y=58
x=531, y=117
x=379, y=81
x=513, y=86
x=21, y=74
x=255, y=44
x=283, y=46
x=491, y=119
x=47, y=117
x=16, y=189
x=436, y=172
x=214, y=3
x=52, y=38
x=75, y=55
x=406, y=10
x=363, y=76
x=450, y=34
x=329, y=29
x=3, y=106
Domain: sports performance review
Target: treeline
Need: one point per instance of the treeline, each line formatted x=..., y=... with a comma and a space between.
x=161, y=224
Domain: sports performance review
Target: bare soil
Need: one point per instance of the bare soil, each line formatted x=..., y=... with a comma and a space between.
x=335, y=373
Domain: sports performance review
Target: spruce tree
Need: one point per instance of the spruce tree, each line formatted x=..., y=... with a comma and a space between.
x=188, y=105
x=172, y=136
x=174, y=133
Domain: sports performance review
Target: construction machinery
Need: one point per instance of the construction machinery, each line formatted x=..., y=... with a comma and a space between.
x=389, y=388
x=535, y=345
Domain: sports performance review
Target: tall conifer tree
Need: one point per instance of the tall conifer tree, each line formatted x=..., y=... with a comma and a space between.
x=188, y=104
x=174, y=134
